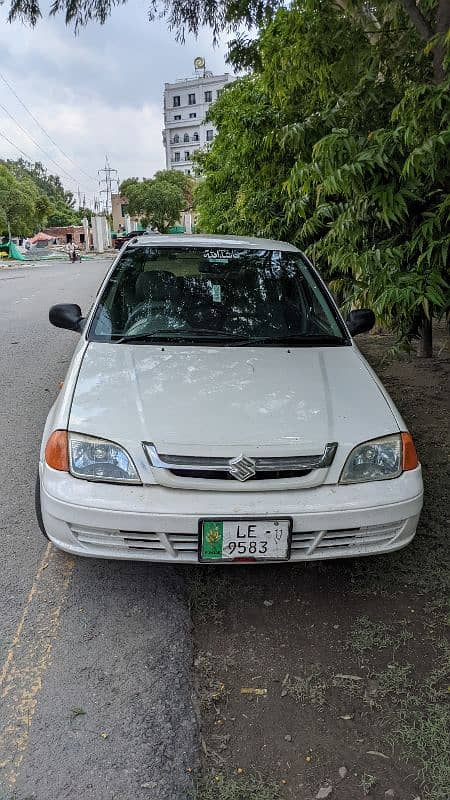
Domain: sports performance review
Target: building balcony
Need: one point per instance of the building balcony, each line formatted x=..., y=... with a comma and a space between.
x=180, y=141
x=185, y=122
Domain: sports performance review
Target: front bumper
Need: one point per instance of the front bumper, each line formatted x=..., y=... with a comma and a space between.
x=155, y=523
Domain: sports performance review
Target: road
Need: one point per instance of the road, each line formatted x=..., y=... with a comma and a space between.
x=95, y=656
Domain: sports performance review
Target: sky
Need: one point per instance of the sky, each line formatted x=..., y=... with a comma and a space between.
x=98, y=93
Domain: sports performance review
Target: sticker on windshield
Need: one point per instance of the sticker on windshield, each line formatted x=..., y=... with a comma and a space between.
x=216, y=293
x=218, y=255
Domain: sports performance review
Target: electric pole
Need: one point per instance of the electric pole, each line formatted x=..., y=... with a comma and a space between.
x=108, y=184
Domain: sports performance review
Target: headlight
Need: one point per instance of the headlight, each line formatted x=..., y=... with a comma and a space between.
x=100, y=460
x=376, y=460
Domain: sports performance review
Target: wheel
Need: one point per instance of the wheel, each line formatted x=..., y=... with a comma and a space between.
x=37, y=505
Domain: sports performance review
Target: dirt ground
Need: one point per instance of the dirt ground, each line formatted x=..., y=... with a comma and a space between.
x=352, y=657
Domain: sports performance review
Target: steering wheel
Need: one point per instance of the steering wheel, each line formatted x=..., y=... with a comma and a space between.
x=211, y=317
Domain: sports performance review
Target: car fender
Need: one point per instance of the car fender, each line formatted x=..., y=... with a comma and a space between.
x=58, y=416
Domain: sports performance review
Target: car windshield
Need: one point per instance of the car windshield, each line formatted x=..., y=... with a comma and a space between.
x=204, y=294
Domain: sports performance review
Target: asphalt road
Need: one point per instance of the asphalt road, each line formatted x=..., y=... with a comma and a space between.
x=95, y=656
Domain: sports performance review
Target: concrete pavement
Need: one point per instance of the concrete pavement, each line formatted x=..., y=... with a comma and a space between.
x=94, y=655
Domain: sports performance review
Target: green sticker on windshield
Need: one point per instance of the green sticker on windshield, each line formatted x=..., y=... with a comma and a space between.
x=212, y=539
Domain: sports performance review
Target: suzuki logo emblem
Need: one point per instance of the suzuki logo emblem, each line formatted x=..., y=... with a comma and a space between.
x=242, y=467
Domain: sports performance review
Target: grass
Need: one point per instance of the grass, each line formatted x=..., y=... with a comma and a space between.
x=417, y=717
x=367, y=783
x=395, y=682
x=423, y=566
x=309, y=687
x=206, y=590
x=210, y=690
x=438, y=612
x=369, y=634
x=223, y=787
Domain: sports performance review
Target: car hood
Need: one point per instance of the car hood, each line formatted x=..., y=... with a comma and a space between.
x=187, y=400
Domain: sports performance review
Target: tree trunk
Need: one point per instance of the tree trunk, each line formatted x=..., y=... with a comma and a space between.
x=426, y=31
x=425, y=349
x=442, y=28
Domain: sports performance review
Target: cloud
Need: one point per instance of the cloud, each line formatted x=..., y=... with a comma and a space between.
x=96, y=93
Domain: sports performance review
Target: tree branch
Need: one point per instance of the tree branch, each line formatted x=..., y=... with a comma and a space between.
x=416, y=16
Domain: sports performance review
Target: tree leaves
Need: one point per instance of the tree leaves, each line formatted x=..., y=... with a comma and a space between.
x=160, y=201
x=340, y=143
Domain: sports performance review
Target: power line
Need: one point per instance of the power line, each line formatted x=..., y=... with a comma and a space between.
x=22, y=152
x=29, y=158
x=38, y=145
x=43, y=129
x=108, y=181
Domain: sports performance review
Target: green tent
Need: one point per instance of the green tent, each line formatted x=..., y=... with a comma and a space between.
x=12, y=251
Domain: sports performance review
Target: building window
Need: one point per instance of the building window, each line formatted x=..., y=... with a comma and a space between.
x=209, y=135
x=196, y=137
x=219, y=92
x=186, y=137
x=188, y=172
x=176, y=139
x=177, y=117
x=187, y=155
x=191, y=99
x=176, y=101
x=193, y=115
x=208, y=97
x=177, y=156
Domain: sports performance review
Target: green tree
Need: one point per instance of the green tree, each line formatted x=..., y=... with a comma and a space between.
x=355, y=154
x=47, y=184
x=82, y=212
x=126, y=184
x=159, y=202
x=179, y=179
x=241, y=187
x=60, y=215
x=431, y=18
x=56, y=206
x=22, y=207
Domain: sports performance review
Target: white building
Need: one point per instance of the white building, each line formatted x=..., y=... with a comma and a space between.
x=186, y=103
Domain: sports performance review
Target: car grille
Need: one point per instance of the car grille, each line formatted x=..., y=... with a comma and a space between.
x=223, y=475
x=342, y=542
x=184, y=546
x=238, y=472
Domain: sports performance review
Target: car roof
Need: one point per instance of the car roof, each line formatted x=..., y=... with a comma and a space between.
x=212, y=240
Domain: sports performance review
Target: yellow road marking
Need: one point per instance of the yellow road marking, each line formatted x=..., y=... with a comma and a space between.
x=28, y=658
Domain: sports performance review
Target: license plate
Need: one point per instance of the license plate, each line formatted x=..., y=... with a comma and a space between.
x=259, y=539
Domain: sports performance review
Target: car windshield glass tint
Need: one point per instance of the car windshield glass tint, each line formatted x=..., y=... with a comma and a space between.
x=220, y=295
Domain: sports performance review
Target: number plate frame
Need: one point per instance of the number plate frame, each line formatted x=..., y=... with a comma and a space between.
x=243, y=519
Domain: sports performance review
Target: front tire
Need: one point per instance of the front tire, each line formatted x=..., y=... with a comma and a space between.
x=37, y=505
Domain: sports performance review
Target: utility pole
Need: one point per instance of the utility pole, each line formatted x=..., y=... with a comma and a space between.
x=108, y=184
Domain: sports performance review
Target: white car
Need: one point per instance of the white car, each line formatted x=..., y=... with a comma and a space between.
x=216, y=409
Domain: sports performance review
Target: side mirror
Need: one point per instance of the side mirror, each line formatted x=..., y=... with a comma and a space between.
x=66, y=315
x=360, y=320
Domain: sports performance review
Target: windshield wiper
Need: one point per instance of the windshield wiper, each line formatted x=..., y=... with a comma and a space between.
x=292, y=338
x=234, y=340
x=178, y=334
